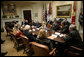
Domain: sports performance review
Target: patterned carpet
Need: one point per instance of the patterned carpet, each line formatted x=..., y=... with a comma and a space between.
x=8, y=45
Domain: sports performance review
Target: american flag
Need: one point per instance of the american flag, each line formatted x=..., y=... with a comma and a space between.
x=43, y=13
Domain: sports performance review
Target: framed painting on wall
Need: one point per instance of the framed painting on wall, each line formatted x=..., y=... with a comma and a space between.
x=63, y=11
x=12, y=8
x=9, y=9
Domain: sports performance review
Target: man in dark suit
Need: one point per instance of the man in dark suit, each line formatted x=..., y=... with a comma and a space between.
x=50, y=22
x=25, y=22
x=28, y=34
x=64, y=28
x=33, y=23
x=81, y=19
x=66, y=22
x=55, y=26
x=74, y=38
x=38, y=24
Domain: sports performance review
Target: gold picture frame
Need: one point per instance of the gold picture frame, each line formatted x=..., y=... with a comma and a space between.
x=9, y=9
x=63, y=11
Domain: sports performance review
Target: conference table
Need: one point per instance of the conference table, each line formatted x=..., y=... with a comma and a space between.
x=50, y=35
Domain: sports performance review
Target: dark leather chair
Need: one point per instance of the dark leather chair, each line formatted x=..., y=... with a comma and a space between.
x=17, y=41
x=26, y=44
x=74, y=51
x=42, y=50
x=8, y=30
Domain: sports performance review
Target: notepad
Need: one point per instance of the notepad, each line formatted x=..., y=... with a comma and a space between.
x=57, y=33
x=61, y=35
x=54, y=35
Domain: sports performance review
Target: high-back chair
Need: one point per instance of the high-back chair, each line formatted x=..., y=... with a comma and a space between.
x=74, y=51
x=41, y=50
x=17, y=40
x=26, y=44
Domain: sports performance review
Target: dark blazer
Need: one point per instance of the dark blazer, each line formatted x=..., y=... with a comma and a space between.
x=80, y=20
x=38, y=25
x=60, y=20
x=74, y=39
x=66, y=23
x=50, y=22
x=25, y=23
x=55, y=27
x=29, y=35
x=45, y=42
x=65, y=29
x=33, y=23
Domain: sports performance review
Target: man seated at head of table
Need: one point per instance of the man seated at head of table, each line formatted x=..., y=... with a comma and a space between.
x=42, y=39
x=73, y=39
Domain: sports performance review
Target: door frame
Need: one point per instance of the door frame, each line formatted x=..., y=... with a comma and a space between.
x=23, y=13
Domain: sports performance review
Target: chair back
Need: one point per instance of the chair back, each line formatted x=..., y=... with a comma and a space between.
x=39, y=49
x=74, y=51
x=26, y=42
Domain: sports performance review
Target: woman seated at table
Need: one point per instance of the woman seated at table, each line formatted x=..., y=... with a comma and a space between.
x=42, y=39
x=28, y=34
x=74, y=38
x=17, y=31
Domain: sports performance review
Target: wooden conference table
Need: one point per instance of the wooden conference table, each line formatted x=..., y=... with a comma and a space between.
x=35, y=31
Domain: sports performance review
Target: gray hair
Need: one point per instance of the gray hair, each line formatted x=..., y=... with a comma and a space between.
x=27, y=27
x=72, y=26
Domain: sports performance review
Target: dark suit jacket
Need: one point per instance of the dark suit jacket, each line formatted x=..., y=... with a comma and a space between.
x=29, y=35
x=50, y=22
x=74, y=39
x=66, y=23
x=65, y=29
x=25, y=23
x=38, y=25
x=45, y=42
x=55, y=27
x=33, y=23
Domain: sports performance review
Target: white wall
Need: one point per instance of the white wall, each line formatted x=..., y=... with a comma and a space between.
x=37, y=8
x=34, y=7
